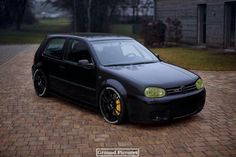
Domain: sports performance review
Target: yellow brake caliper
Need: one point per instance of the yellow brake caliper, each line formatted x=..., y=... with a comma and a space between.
x=118, y=106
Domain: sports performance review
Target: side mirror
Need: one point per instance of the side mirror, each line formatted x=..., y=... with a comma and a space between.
x=85, y=63
x=157, y=55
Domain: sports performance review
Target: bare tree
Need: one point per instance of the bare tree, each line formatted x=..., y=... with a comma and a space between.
x=75, y=15
x=89, y=15
x=145, y=7
x=12, y=12
x=155, y=9
x=20, y=9
x=135, y=6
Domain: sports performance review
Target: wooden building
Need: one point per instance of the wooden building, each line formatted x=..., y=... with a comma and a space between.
x=205, y=22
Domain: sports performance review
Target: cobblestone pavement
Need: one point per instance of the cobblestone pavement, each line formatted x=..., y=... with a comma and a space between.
x=33, y=126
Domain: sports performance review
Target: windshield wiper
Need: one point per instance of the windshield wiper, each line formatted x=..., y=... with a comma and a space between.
x=126, y=64
x=145, y=62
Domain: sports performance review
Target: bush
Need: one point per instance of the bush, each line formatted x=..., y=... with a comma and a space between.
x=174, y=30
x=154, y=33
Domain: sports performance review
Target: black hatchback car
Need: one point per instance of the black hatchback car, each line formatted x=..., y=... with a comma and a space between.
x=118, y=76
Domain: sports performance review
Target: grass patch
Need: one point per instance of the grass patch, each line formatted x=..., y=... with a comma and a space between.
x=59, y=25
x=185, y=57
x=22, y=37
x=198, y=59
x=123, y=29
x=36, y=32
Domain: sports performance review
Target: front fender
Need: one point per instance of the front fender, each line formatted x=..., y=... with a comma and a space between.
x=115, y=84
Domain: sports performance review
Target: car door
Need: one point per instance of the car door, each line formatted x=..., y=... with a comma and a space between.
x=53, y=63
x=80, y=79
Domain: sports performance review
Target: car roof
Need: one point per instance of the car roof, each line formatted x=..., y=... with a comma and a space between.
x=92, y=36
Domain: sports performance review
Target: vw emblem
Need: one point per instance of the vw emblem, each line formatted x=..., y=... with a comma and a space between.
x=179, y=89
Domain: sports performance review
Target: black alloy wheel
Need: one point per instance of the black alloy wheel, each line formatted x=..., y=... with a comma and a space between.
x=112, y=106
x=40, y=83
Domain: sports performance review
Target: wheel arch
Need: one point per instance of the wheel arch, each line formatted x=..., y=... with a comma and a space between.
x=121, y=91
x=115, y=84
x=45, y=90
x=40, y=65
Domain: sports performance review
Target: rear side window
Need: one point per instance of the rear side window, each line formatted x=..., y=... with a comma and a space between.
x=77, y=50
x=54, y=48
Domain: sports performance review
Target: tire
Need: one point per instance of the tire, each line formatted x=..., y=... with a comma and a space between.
x=112, y=106
x=40, y=83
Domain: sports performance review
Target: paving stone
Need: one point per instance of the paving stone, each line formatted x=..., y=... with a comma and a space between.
x=33, y=126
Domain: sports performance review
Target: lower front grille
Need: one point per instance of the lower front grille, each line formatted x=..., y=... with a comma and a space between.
x=187, y=106
x=160, y=115
x=179, y=108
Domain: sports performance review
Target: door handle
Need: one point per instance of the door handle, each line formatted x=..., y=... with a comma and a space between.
x=62, y=67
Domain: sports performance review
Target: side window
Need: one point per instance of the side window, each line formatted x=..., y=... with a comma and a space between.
x=55, y=48
x=77, y=50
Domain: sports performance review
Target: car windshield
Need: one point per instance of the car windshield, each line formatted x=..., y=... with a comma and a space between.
x=122, y=52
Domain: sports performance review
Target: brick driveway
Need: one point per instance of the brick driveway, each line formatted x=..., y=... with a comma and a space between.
x=33, y=126
x=9, y=51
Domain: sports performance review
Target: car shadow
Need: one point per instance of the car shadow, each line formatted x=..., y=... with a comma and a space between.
x=135, y=125
x=172, y=123
x=82, y=107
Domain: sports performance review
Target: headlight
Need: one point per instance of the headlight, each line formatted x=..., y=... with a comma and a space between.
x=153, y=92
x=199, y=84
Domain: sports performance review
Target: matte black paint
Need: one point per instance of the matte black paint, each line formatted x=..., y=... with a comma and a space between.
x=83, y=84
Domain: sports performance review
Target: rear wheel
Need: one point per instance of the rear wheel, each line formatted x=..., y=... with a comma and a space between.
x=112, y=106
x=40, y=83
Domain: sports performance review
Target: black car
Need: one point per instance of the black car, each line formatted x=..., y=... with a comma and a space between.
x=116, y=75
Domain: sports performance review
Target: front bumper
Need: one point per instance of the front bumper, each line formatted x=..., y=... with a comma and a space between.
x=142, y=109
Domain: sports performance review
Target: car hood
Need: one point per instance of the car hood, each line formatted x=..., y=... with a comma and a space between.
x=158, y=74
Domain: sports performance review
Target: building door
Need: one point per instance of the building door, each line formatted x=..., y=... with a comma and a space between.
x=230, y=25
x=202, y=16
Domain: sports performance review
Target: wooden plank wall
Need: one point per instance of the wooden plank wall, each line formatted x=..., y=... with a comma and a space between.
x=186, y=12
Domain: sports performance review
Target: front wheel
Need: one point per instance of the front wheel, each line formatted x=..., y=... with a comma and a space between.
x=112, y=106
x=40, y=83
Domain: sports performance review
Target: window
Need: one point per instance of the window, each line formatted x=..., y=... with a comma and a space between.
x=77, y=50
x=55, y=48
